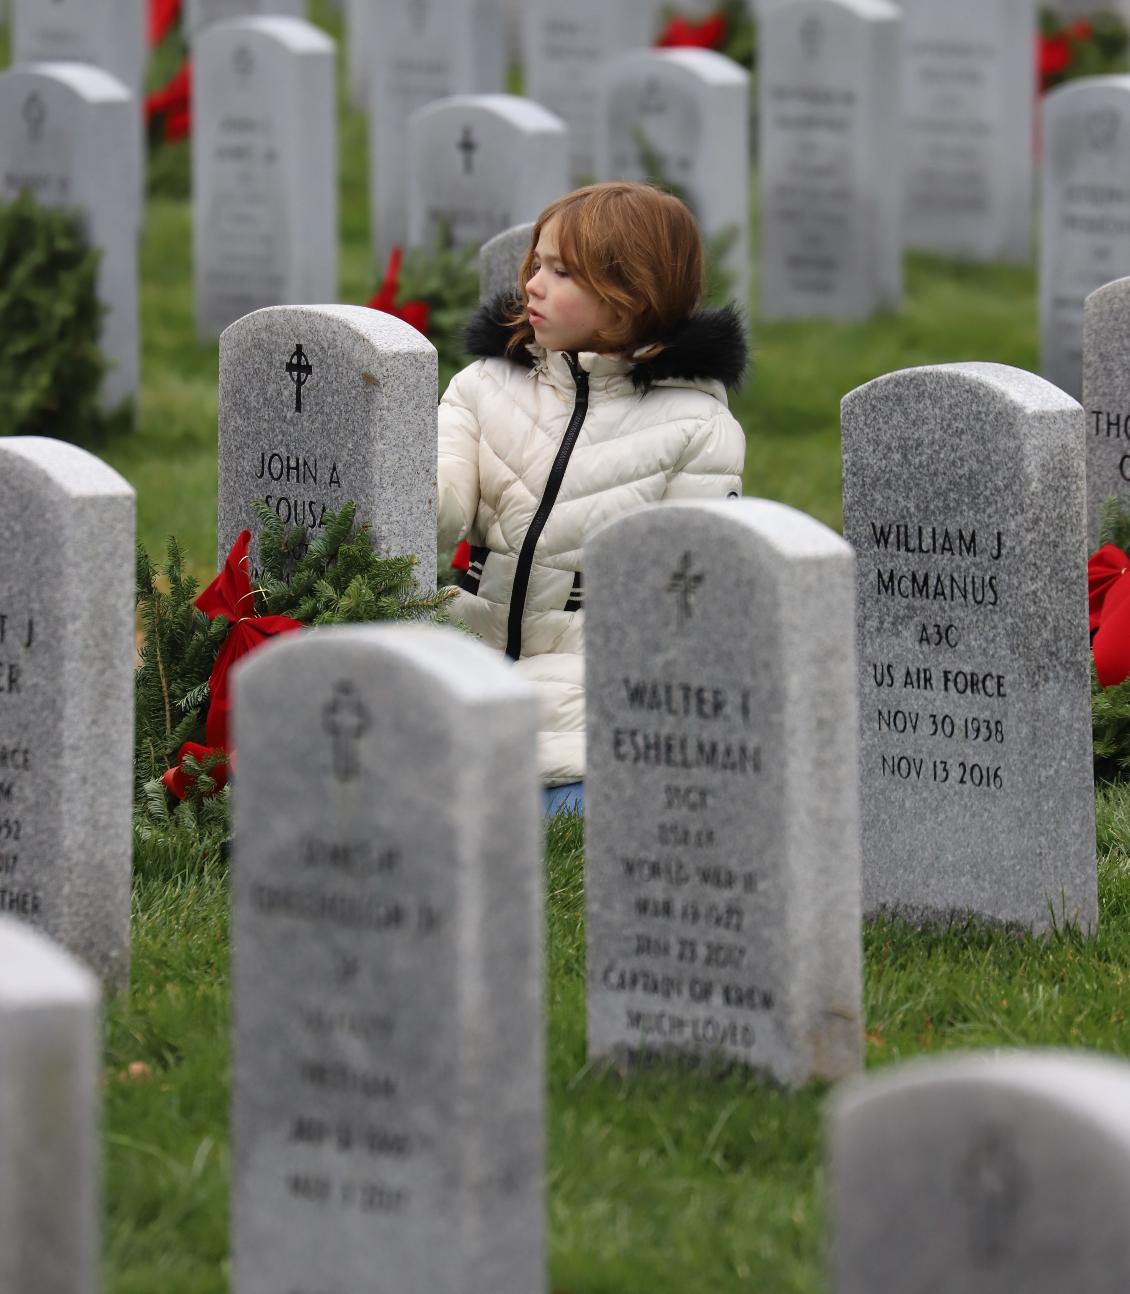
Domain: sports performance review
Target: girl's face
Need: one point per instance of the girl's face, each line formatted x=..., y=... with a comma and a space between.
x=565, y=315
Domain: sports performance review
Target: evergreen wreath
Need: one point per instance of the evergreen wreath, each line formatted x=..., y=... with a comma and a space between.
x=334, y=578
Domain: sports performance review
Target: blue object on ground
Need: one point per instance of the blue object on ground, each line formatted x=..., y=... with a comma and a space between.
x=569, y=798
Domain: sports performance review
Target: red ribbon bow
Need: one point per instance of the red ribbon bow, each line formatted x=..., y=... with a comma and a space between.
x=230, y=595
x=173, y=104
x=1108, y=596
x=163, y=14
x=710, y=33
x=178, y=779
x=416, y=313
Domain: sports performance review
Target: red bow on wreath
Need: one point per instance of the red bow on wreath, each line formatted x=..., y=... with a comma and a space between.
x=1108, y=595
x=416, y=313
x=229, y=595
x=710, y=33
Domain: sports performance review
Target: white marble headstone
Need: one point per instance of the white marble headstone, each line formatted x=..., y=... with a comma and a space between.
x=723, y=912
x=500, y=260
x=479, y=164
x=968, y=107
x=110, y=34
x=1106, y=398
x=199, y=13
x=388, y=1057
x=831, y=195
x=68, y=134
x=50, y=1049
x=66, y=684
x=326, y=405
x=988, y=1173
x=1085, y=213
x=264, y=168
x=689, y=110
x=421, y=51
x=565, y=48
x=964, y=498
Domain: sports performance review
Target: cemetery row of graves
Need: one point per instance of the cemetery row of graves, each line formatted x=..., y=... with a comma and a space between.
x=415, y=1036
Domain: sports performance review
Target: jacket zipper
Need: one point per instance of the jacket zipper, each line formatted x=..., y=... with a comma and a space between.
x=544, y=508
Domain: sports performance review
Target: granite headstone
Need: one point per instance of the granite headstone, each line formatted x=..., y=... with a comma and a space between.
x=565, y=49
x=1085, y=216
x=68, y=135
x=681, y=116
x=988, y=1174
x=66, y=675
x=1106, y=398
x=199, y=13
x=264, y=168
x=479, y=164
x=965, y=499
x=831, y=199
x=388, y=1092
x=500, y=260
x=322, y=405
x=968, y=105
x=422, y=50
x=50, y=1051
x=723, y=901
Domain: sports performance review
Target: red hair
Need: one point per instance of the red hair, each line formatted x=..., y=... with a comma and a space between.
x=636, y=248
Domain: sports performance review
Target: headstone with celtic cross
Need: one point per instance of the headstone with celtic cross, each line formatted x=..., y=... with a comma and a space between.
x=830, y=127
x=199, y=13
x=969, y=95
x=66, y=685
x=680, y=118
x=421, y=51
x=501, y=259
x=323, y=405
x=67, y=136
x=264, y=168
x=1085, y=213
x=566, y=48
x=388, y=1054
x=965, y=500
x=723, y=914
x=982, y=1173
x=479, y=164
x=50, y=1058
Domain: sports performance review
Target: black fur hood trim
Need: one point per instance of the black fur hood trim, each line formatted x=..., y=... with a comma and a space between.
x=709, y=345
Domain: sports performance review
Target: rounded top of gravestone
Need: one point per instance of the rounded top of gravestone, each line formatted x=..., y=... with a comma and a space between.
x=516, y=233
x=873, y=10
x=1111, y=296
x=294, y=34
x=36, y=972
x=94, y=84
x=786, y=531
x=1084, y=87
x=948, y=383
x=705, y=65
x=376, y=327
x=1086, y=1084
x=511, y=108
x=79, y=473
x=454, y=664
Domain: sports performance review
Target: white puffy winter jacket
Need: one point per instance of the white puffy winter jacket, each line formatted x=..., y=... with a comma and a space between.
x=537, y=451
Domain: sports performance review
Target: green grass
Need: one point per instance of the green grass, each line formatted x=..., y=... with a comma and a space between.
x=661, y=1181
x=657, y=1182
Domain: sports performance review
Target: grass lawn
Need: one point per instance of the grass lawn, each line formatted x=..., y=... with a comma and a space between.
x=661, y=1182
